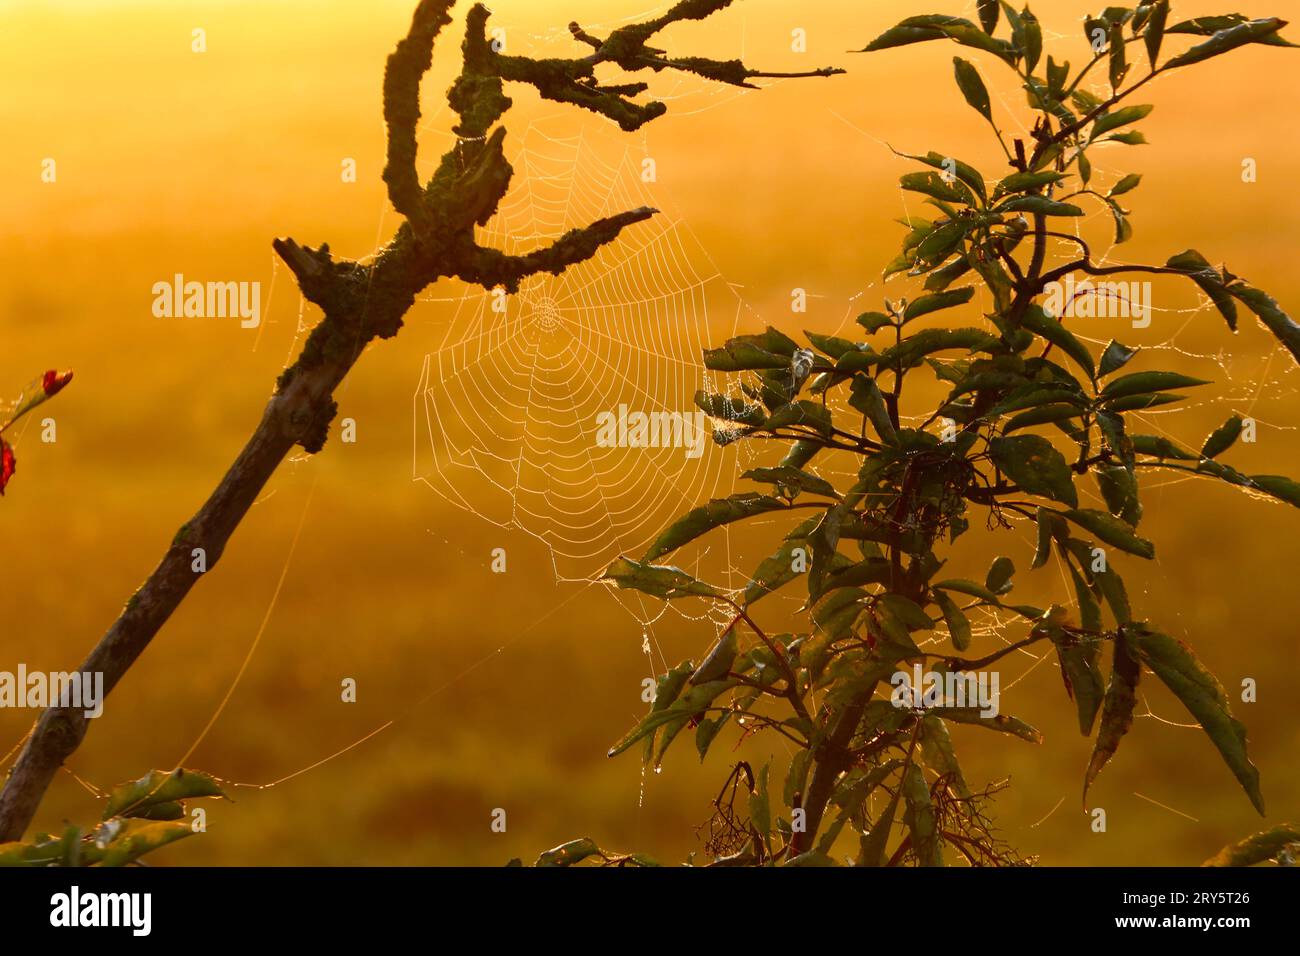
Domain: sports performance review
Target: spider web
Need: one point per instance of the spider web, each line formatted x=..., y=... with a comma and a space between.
x=506, y=407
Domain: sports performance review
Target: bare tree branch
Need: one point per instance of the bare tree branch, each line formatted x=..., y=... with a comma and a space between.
x=362, y=302
x=406, y=65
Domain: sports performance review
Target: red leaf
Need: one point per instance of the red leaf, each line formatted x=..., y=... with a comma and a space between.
x=53, y=381
x=8, y=464
x=37, y=391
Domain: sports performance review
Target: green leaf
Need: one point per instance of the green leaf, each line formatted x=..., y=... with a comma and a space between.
x=796, y=776
x=730, y=409
x=1116, y=711
x=940, y=279
x=939, y=756
x=139, y=837
x=964, y=586
x=1282, y=488
x=942, y=243
x=858, y=360
x=1000, y=573
x=1208, y=26
x=865, y=397
x=693, y=703
x=965, y=172
x=1123, y=228
x=935, y=186
x=915, y=347
x=1085, y=166
x=1121, y=117
x=1118, y=56
x=1038, y=321
x=874, y=843
x=1022, y=182
x=669, y=685
x=849, y=797
x=1222, y=438
x=800, y=453
x=1058, y=74
x=1082, y=677
x=972, y=87
x=1271, y=314
x=830, y=344
x=936, y=27
x=1252, y=31
x=567, y=854
x=1111, y=530
x=760, y=805
x=1115, y=357
x=901, y=36
x=658, y=580
x=717, y=663
x=1035, y=394
x=705, y=518
x=921, y=819
x=940, y=300
x=160, y=786
x=1178, y=668
x=1042, y=415
x=1133, y=138
x=1112, y=589
x=793, y=479
x=1050, y=526
x=1119, y=489
x=778, y=569
x=1040, y=206
x=812, y=414
x=1035, y=466
x=1212, y=284
x=1137, y=383
x=1155, y=29
x=1223, y=472
x=958, y=625
x=1161, y=447
x=988, y=11
x=1000, y=722
x=1125, y=185
x=1140, y=402
x=1030, y=40
x=874, y=321
x=738, y=356
x=160, y=811
x=905, y=611
x=1265, y=845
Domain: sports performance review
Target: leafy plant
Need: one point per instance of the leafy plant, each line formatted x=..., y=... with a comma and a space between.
x=36, y=393
x=140, y=816
x=1031, y=417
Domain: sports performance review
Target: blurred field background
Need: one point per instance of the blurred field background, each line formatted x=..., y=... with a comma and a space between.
x=506, y=690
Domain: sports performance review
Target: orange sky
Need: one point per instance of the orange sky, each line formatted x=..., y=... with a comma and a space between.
x=170, y=161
